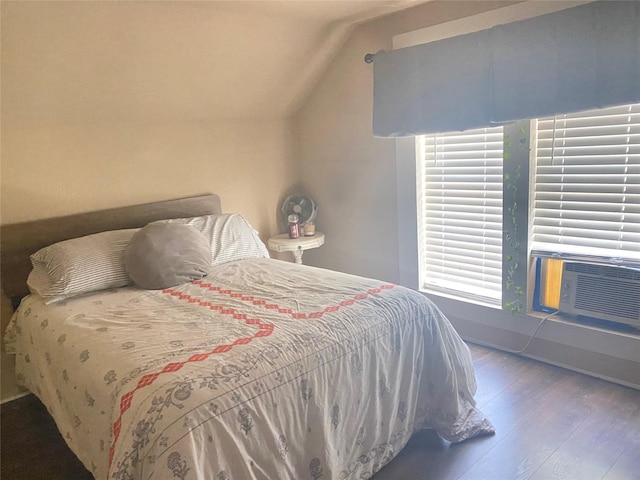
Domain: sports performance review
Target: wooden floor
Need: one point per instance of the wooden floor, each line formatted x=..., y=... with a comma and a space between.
x=551, y=424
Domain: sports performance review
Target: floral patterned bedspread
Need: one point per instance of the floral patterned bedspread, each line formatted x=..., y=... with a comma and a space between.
x=261, y=370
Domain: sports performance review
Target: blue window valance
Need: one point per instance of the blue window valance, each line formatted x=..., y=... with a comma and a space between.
x=577, y=59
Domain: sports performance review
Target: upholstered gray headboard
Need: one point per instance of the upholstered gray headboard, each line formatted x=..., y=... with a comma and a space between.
x=19, y=240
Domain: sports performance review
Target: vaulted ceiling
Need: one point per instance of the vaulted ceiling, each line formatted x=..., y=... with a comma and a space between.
x=94, y=61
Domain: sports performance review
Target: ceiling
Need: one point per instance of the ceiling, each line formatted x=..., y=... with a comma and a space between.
x=328, y=11
x=74, y=62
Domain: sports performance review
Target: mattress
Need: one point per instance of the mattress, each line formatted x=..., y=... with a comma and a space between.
x=261, y=370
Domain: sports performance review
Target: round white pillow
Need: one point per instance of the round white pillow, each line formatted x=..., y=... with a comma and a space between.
x=163, y=255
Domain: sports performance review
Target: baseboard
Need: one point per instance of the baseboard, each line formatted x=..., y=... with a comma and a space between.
x=14, y=397
x=615, y=369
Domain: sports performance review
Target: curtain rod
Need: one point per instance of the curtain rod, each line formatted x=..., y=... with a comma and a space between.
x=369, y=57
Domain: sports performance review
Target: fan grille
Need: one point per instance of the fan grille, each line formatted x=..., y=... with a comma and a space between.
x=300, y=205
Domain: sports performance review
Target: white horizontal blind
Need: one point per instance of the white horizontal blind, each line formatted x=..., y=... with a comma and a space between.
x=587, y=184
x=460, y=213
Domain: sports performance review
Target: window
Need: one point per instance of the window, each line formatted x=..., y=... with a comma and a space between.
x=587, y=184
x=460, y=213
x=585, y=194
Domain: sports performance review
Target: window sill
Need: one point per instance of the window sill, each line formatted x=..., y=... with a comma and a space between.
x=464, y=299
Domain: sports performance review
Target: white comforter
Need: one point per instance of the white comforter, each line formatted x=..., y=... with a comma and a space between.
x=262, y=370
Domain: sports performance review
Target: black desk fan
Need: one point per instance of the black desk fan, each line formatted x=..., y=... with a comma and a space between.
x=302, y=206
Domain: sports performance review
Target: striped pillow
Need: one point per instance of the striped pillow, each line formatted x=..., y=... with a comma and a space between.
x=230, y=236
x=80, y=265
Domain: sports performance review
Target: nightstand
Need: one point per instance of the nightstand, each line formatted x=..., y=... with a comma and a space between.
x=282, y=243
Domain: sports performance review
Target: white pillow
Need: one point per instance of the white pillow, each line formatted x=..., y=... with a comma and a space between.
x=80, y=265
x=230, y=236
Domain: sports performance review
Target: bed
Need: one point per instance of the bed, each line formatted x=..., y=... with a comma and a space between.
x=260, y=369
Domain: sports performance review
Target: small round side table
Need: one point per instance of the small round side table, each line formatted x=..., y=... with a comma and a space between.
x=297, y=246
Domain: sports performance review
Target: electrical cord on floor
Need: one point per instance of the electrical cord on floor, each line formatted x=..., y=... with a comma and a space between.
x=533, y=335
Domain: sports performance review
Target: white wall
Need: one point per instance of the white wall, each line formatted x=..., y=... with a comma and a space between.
x=351, y=174
x=357, y=183
x=107, y=104
x=53, y=170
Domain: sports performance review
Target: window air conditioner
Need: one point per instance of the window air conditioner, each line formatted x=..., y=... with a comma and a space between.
x=601, y=291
